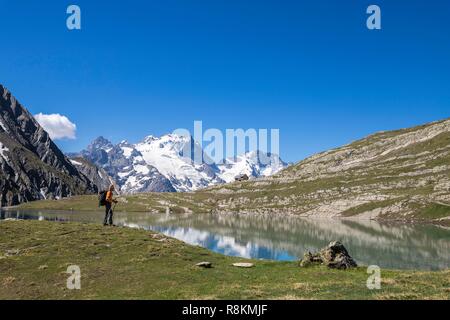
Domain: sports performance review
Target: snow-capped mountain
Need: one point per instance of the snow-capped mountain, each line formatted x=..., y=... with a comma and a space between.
x=253, y=164
x=173, y=156
x=126, y=166
x=166, y=164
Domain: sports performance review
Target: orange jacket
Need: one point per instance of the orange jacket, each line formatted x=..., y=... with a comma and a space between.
x=109, y=196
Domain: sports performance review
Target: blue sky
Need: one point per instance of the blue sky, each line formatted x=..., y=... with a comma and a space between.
x=310, y=68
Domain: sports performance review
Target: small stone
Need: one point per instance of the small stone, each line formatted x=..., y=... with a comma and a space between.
x=12, y=252
x=204, y=264
x=8, y=280
x=243, y=265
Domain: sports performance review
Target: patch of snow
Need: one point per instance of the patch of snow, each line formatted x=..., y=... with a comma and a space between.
x=76, y=162
x=42, y=191
x=124, y=174
x=3, y=126
x=3, y=150
x=143, y=169
x=127, y=151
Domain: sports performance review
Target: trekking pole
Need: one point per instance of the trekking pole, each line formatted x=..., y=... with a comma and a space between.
x=118, y=192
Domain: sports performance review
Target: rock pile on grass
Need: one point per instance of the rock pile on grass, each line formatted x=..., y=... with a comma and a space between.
x=334, y=256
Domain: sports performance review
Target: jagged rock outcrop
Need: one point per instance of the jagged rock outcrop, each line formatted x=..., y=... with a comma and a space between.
x=32, y=166
x=334, y=256
x=98, y=176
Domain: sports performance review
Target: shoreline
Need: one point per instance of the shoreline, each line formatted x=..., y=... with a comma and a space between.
x=443, y=222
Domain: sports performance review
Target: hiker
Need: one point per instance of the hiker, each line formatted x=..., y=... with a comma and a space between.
x=108, y=203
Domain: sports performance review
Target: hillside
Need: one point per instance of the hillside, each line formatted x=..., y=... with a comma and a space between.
x=388, y=174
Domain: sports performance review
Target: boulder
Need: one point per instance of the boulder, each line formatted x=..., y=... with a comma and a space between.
x=242, y=177
x=334, y=256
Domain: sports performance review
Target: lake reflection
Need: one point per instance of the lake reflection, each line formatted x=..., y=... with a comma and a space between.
x=397, y=246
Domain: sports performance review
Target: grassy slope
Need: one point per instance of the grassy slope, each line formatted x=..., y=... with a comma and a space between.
x=127, y=263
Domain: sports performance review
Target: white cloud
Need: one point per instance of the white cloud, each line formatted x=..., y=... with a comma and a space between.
x=57, y=126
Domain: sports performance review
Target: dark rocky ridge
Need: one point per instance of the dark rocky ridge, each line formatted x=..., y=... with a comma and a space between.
x=97, y=175
x=32, y=166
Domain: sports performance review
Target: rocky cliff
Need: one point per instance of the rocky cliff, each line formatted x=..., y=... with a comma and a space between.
x=32, y=166
x=98, y=176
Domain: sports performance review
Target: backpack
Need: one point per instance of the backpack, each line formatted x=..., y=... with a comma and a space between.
x=102, y=198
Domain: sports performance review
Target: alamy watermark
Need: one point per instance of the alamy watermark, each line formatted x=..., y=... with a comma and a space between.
x=213, y=146
x=374, y=20
x=74, y=280
x=73, y=21
x=374, y=280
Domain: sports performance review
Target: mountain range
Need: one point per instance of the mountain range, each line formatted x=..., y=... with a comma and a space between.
x=34, y=168
x=400, y=174
x=159, y=164
x=391, y=175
